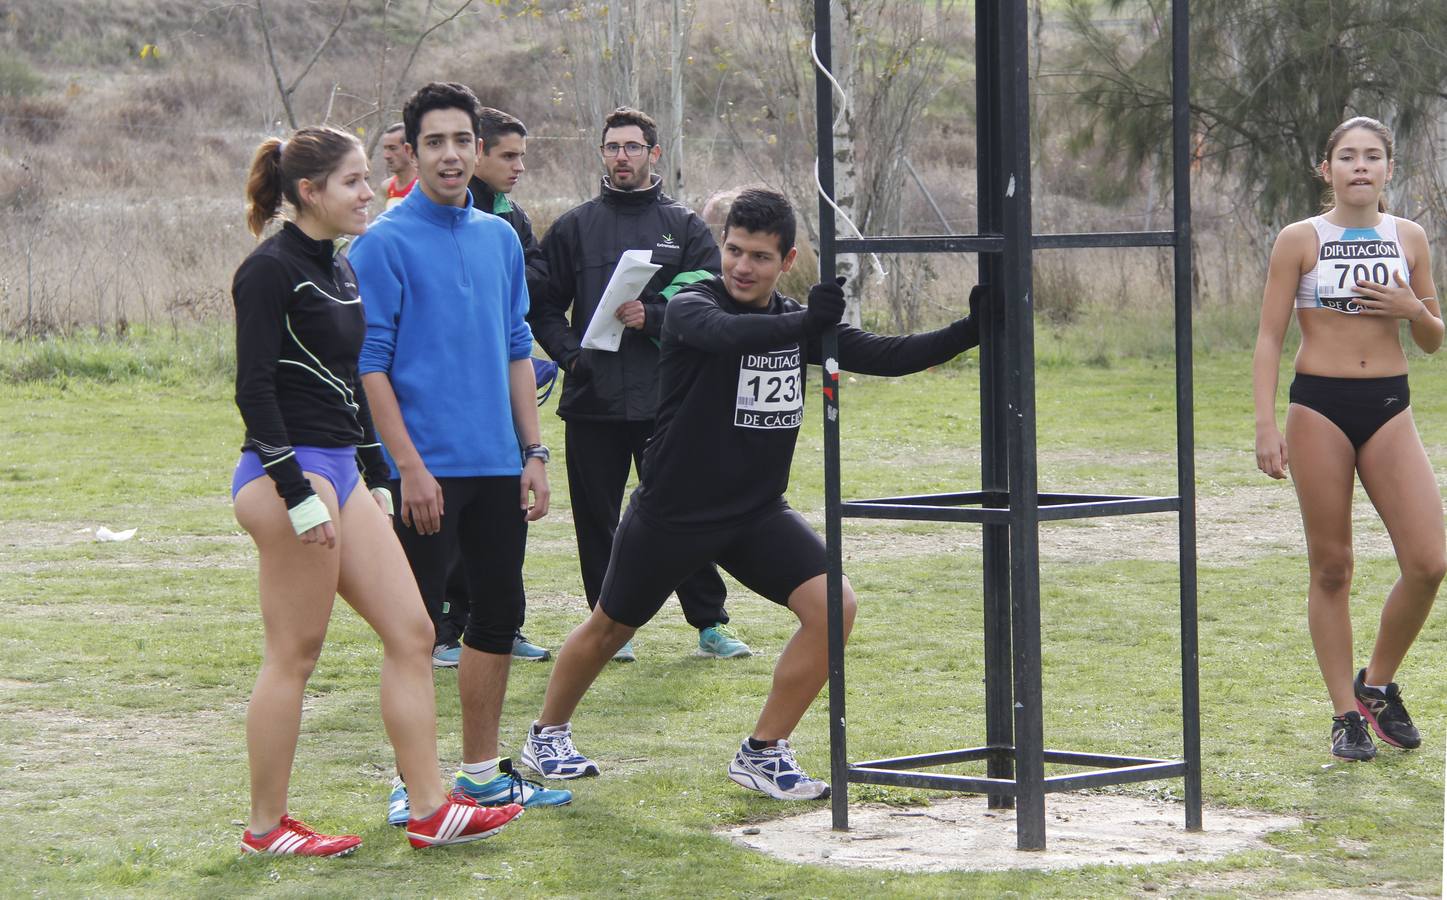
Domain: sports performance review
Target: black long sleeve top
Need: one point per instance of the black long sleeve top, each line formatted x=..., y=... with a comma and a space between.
x=731, y=399
x=299, y=329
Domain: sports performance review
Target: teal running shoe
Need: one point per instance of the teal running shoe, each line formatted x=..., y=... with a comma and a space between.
x=625, y=653
x=720, y=642
x=399, y=808
x=446, y=656
x=522, y=648
x=509, y=787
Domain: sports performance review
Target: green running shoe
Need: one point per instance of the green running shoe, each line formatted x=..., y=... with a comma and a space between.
x=720, y=642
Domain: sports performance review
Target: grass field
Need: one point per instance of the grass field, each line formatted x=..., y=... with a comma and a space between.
x=124, y=668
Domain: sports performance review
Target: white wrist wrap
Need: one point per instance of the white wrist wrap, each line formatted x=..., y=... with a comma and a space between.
x=384, y=499
x=308, y=514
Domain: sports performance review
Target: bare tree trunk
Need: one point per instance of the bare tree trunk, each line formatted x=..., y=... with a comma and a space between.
x=844, y=18
x=678, y=59
x=286, y=91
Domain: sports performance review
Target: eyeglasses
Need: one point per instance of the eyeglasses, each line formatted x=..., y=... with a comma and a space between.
x=632, y=149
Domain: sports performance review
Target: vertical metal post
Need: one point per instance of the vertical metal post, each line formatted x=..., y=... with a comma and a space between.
x=838, y=746
x=1185, y=407
x=1020, y=429
x=994, y=462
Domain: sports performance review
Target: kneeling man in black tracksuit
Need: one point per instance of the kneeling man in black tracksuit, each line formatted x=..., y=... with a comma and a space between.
x=731, y=399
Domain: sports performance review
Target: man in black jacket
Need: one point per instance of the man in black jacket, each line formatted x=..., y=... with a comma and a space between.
x=610, y=399
x=731, y=402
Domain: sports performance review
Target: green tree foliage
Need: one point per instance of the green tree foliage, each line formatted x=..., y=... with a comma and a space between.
x=1269, y=81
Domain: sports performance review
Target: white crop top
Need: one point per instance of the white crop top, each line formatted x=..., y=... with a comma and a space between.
x=1345, y=256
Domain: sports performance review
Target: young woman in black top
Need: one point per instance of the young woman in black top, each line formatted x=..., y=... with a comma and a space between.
x=319, y=533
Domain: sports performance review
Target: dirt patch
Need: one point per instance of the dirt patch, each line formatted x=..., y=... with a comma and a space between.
x=964, y=834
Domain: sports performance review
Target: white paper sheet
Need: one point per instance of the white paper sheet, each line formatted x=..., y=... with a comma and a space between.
x=629, y=279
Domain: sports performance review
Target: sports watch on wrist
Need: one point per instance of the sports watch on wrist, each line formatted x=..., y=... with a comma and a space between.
x=536, y=451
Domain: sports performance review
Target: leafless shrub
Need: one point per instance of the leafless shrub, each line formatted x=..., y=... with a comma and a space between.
x=31, y=120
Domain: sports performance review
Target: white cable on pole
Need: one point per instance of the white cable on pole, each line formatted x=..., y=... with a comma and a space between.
x=818, y=184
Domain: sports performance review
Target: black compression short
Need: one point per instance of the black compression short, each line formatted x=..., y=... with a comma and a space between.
x=1358, y=406
x=772, y=554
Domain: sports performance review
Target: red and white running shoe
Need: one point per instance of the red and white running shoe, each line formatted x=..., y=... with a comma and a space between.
x=293, y=838
x=459, y=821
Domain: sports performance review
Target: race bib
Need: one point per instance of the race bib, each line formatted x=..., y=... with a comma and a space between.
x=1341, y=264
x=771, y=390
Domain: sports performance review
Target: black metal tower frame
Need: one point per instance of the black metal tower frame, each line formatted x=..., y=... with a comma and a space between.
x=1009, y=505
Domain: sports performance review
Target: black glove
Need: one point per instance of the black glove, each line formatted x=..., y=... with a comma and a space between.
x=826, y=307
x=580, y=367
x=968, y=328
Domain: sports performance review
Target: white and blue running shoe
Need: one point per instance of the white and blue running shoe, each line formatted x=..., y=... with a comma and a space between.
x=509, y=787
x=550, y=752
x=774, y=771
x=399, y=810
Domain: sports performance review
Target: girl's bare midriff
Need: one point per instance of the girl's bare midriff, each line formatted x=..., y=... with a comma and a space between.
x=1339, y=345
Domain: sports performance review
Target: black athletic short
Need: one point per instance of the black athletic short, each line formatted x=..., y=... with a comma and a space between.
x=1358, y=406
x=772, y=554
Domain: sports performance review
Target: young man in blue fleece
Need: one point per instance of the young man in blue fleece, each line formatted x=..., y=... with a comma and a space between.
x=446, y=365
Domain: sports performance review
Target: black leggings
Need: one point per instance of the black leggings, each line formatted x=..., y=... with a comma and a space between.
x=484, y=530
x=1358, y=406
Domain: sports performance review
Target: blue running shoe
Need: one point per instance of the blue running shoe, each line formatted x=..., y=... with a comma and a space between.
x=774, y=771
x=522, y=648
x=509, y=787
x=720, y=642
x=624, y=654
x=399, y=809
x=446, y=656
x=550, y=752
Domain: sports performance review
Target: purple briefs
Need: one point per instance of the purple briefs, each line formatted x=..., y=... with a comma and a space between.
x=336, y=464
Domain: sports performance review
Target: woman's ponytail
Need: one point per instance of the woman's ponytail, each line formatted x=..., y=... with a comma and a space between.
x=264, y=185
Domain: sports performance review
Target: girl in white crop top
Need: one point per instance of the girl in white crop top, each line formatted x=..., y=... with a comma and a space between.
x=1345, y=256
x=1353, y=275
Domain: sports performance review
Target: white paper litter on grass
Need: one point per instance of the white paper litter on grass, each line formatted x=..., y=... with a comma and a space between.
x=105, y=534
x=635, y=269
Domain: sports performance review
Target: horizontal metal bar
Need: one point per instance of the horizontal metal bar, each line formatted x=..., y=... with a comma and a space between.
x=1052, y=508
x=1127, y=507
x=1123, y=775
x=1105, y=239
x=924, y=243
x=913, y=512
x=1098, y=760
x=964, y=498
x=994, y=243
x=933, y=782
x=941, y=758
x=999, y=498
x=1058, y=499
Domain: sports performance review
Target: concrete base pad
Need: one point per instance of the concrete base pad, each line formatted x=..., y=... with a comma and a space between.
x=963, y=833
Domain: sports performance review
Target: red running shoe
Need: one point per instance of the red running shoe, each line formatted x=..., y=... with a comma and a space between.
x=293, y=838
x=459, y=821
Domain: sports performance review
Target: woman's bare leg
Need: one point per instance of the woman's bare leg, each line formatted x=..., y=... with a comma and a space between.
x=1323, y=468
x=1399, y=480
x=298, y=586
x=377, y=582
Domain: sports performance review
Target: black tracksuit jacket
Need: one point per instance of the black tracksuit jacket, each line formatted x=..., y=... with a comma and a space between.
x=580, y=251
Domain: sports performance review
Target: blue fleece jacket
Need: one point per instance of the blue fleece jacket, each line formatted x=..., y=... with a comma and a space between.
x=445, y=294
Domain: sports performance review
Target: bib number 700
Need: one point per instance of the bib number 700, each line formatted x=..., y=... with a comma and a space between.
x=1377, y=272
